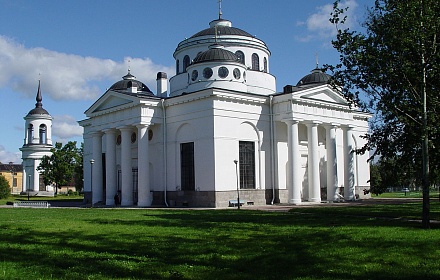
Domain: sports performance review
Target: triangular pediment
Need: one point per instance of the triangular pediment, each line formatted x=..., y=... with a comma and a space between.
x=110, y=100
x=322, y=94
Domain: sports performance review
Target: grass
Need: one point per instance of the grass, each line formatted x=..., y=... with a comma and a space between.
x=412, y=194
x=359, y=242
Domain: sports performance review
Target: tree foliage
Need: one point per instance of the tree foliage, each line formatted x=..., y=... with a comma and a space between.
x=391, y=68
x=389, y=173
x=62, y=166
x=5, y=189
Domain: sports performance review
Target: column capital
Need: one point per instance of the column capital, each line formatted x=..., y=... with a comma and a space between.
x=347, y=126
x=312, y=123
x=331, y=125
x=291, y=121
x=96, y=133
x=110, y=131
x=144, y=125
x=125, y=128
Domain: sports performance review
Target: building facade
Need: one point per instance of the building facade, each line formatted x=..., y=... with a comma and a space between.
x=14, y=175
x=219, y=127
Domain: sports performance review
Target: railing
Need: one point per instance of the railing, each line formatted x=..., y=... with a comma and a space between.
x=32, y=204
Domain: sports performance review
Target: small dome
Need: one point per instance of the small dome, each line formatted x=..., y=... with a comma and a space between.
x=38, y=110
x=215, y=53
x=129, y=81
x=316, y=77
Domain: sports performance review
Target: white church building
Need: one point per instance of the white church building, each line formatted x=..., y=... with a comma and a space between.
x=219, y=128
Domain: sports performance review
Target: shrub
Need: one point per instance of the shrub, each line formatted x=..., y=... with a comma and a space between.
x=5, y=189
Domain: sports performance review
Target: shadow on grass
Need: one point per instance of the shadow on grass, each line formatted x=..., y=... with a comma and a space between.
x=221, y=244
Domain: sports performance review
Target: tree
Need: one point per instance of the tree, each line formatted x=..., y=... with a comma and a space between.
x=60, y=167
x=79, y=170
x=389, y=173
x=5, y=189
x=391, y=68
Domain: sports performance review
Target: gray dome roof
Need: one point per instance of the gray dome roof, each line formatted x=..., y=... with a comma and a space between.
x=316, y=77
x=222, y=30
x=38, y=110
x=215, y=53
x=129, y=81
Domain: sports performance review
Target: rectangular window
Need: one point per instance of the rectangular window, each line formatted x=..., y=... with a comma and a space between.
x=187, y=166
x=14, y=182
x=247, y=164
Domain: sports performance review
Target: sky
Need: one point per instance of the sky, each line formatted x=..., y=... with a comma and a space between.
x=79, y=48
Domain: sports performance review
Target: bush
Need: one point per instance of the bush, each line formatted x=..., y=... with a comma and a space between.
x=5, y=189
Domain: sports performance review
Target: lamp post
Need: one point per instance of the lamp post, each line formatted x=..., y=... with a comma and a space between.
x=238, y=191
x=29, y=185
x=92, y=161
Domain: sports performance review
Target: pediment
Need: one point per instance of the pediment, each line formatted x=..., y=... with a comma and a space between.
x=322, y=94
x=110, y=100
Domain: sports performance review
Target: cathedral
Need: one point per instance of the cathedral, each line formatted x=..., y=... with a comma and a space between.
x=218, y=131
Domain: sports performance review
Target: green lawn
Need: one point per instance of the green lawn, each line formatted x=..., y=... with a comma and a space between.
x=411, y=194
x=358, y=242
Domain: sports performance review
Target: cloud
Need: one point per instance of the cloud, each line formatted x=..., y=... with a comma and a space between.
x=65, y=76
x=6, y=156
x=64, y=128
x=318, y=25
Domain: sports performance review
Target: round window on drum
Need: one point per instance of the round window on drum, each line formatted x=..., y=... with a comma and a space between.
x=207, y=73
x=223, y=72
x=237, y=73
x=194, y=75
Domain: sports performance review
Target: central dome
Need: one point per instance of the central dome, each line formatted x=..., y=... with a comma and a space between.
x=215, y=53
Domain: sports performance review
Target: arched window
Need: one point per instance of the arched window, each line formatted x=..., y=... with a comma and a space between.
x=177, y=66
x=30, y=133
x=265, y=65
x=240, y=56
x=255, y=62
x=43, y=134
x=185, y=63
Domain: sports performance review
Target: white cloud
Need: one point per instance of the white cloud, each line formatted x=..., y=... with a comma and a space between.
x=64, y=128
x=6, y=156
x=318, y=25
x=65, y=76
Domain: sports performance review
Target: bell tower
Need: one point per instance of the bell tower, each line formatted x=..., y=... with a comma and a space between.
x=37, y=143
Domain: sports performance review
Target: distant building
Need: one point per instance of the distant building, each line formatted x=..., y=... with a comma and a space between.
x=14, y=175
x=222, y=126
x=37, y=143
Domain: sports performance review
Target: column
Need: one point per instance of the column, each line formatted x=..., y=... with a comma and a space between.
x=294, y=158
x=348, y=164
x=332, y=163
x=36, y=184
x=126, y=168
x=97, y=188
x=144, y=195
x=24, y=180
x=110, y=166
x=313, y=162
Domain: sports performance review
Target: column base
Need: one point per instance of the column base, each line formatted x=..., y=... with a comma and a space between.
x=110, y=202
x=316, y=199
x=295, y=201
x=126, y=203
x=144, y=203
